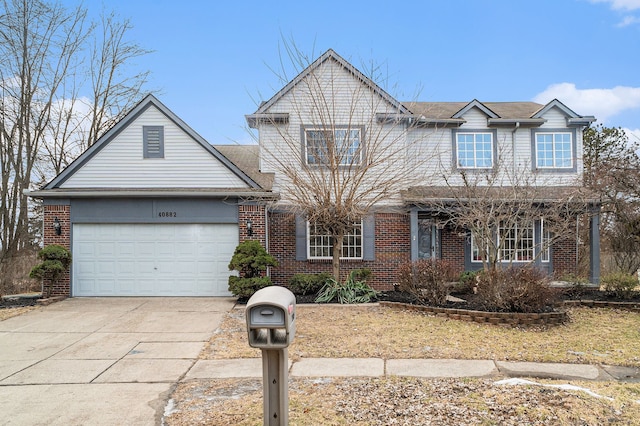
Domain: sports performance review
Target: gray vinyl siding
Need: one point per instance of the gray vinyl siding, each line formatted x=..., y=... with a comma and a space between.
x=185, y=162
x=153, y=211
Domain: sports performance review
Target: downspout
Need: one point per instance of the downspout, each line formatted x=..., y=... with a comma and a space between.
x=266, y=235
x=513, y=145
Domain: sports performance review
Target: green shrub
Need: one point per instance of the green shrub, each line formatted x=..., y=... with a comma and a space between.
x=303, y=284
x=427, y=280
x=352, y=291
x=620, y=284
x=362, y=274
x=55, y=262
x=250, y=259
x=516, y=289
x=466, y=283
x=245, y=287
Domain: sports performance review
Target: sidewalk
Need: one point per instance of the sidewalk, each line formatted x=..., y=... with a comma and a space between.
x=427, y=368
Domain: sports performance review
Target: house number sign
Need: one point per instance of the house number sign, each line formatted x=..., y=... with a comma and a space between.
x=167, y=214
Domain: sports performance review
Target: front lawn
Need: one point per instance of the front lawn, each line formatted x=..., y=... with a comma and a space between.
x=593, y=336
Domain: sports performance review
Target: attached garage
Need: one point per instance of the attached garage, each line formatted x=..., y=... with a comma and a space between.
x=152, y=259
x=153, y=209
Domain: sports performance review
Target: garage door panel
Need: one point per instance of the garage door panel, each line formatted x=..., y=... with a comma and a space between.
x=152, y=260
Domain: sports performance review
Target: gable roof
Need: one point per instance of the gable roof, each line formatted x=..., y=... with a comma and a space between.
x=329, y=55
x=498, y=113
x=440, y=110
x=135, y=112
x=572, y=117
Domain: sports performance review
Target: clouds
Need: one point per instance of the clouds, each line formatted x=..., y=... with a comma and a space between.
x=623, y=6
x=603, y=103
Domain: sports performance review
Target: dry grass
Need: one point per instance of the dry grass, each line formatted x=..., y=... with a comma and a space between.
x=407, y=401
x=594, y=336
x=6, y=313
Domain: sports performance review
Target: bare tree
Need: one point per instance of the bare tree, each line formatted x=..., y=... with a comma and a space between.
x=338, y=148
x=45, y=122
x=115, y=90
x=503, y=209
x=38, y=47
x=612, y=170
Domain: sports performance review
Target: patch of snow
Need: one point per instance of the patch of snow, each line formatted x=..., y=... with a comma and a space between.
x=515, y=382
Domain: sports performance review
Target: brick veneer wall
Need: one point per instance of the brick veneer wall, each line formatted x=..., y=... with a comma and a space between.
x=453, y=243
x=392, y=248
x=256, y=214
x=62, y=287
x=564, y=257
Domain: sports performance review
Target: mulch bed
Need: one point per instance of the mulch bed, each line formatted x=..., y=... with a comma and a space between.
x=17, y=302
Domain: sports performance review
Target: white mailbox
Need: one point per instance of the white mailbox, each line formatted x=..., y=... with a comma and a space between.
x=271, y=318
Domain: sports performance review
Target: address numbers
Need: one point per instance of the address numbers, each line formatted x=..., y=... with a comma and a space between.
x=167, y=214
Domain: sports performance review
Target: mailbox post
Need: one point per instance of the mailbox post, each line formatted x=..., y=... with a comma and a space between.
x=271, y=326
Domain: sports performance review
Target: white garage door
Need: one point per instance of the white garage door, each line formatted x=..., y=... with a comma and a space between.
x=152, y=259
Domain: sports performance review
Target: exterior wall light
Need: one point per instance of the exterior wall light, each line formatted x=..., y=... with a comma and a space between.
x=57, y=226
x=249, y=227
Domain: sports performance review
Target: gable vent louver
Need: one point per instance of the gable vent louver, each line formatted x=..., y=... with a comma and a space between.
x=153, y=141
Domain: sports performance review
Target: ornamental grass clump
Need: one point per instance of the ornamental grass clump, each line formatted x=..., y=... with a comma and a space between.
x=352, y=291
x=620, y=285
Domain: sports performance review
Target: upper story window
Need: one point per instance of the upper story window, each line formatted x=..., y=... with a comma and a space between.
x=320, y=243
x=554, y=149
x=153, y=141
x=341, y=146
x=473, y=149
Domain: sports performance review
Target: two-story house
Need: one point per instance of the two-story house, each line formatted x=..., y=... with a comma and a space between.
x=153, y=209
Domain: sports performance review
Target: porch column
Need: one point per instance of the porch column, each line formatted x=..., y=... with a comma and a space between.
x=414, y=234
x=594, y=247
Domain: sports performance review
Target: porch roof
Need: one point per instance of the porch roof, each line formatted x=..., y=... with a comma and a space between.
x=429, y=195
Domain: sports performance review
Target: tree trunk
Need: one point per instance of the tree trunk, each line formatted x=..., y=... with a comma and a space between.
x=337, y=253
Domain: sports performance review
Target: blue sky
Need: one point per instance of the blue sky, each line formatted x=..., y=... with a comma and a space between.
x=211, y=59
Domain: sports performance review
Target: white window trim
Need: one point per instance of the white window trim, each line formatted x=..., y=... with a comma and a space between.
x=357, y=156
x=545, y=255
x=356, y=225
x=515, y=251
x=545, y=247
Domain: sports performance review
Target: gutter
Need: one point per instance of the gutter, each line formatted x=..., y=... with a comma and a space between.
x=119, y=193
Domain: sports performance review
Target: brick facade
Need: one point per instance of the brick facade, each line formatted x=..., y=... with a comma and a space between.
x=257, y=215
x=564, y=257
x=62, y=212
x=392, y=248
x=452, y=248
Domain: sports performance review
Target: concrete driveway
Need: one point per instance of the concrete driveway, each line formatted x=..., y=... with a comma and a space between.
x=101, y=361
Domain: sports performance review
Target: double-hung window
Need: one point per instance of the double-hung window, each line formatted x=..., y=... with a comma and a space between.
x=474, y=150
x=554, y=150
x=341, y=146
x=320, y=243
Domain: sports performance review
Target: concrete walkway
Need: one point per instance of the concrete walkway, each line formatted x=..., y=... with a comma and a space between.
x=101, y=361
x=428, y=368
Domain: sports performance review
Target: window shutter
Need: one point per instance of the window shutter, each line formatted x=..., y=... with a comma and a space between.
x=368, y=237
x=301, y=238
x=153, y=141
